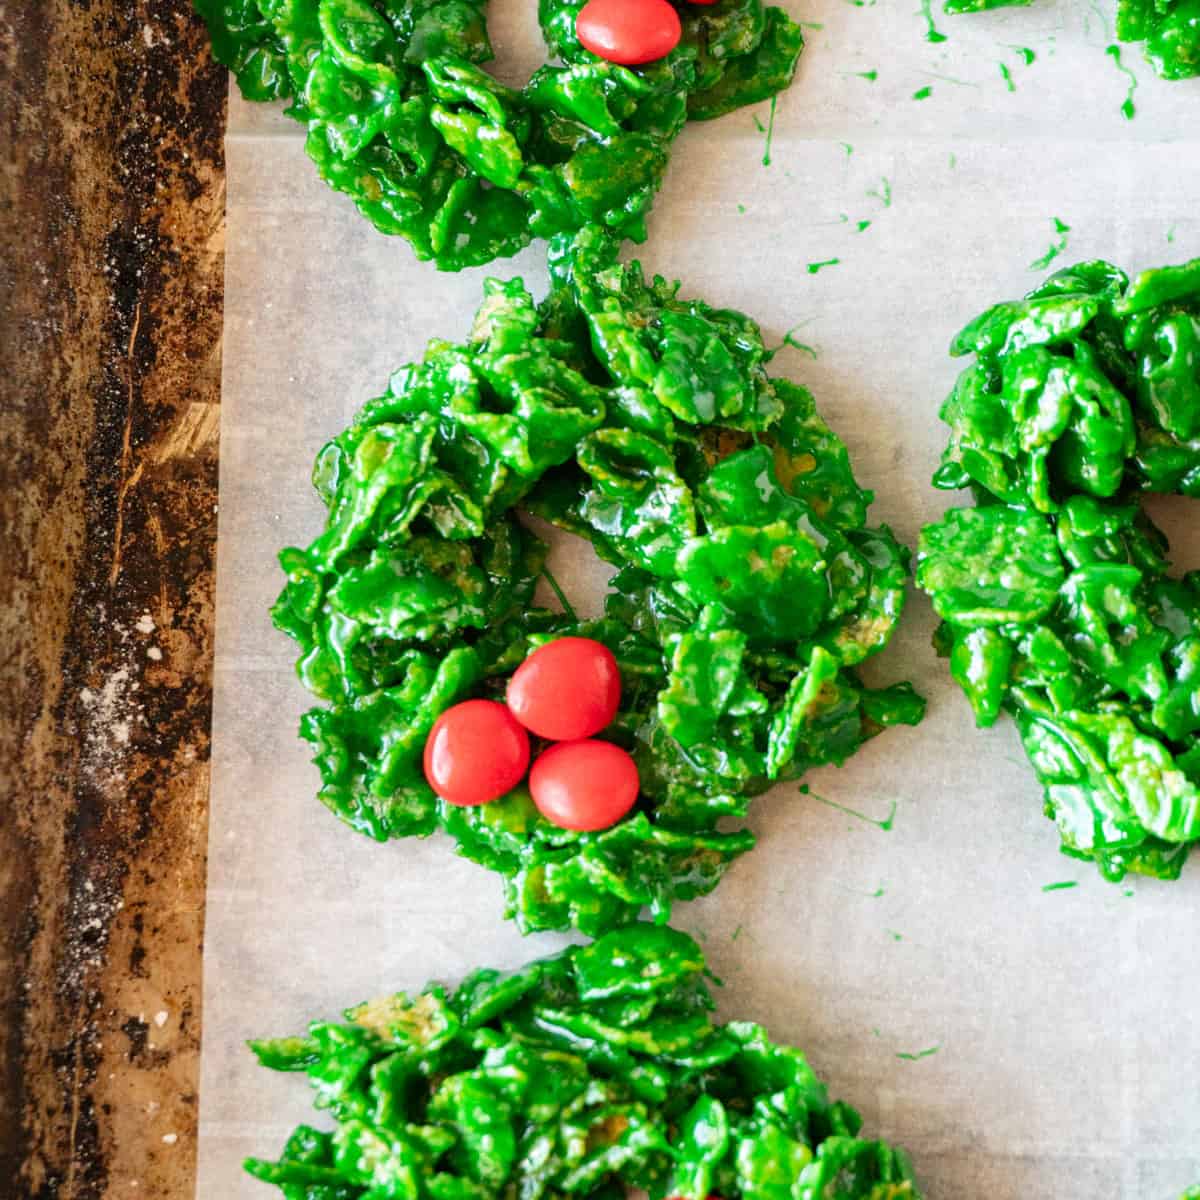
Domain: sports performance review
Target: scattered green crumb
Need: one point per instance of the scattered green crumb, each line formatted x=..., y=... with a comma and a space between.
x=803, y=347
x=883, y=193
x=919, y=1054
x=967, y=83
x=559, y=593
x=923, y=93
x=770, y=132
x=932, y=33
x=814, y=267
x=1128, y=109
x=1061, y=229
x=1006, y=75
x=896, y=937
x=863, y=226
x=886, y=824
x=789, y=339
x=1061, y=886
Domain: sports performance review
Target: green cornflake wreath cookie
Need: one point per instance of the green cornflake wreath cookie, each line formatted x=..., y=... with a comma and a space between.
x=1055, y=592
x=587, y=1074
x=748, y=588
x=401, y=117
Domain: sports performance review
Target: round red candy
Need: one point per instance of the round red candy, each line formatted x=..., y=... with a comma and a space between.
x=628, y=32
x=475, y=752
x=584, y=786
x=566, y=690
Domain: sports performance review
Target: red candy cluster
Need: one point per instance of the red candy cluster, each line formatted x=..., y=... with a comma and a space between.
x=565, y=691
x=629, y=32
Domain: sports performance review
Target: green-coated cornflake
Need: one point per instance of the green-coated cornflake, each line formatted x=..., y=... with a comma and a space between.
x=749, y=588
x=1054, y=592
x=590, y=1074
x=403, y=119
x=969, y=567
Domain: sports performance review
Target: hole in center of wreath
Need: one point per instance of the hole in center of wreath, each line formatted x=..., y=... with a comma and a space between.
x=1179, y=518
x=516, y=39
x=574, y=566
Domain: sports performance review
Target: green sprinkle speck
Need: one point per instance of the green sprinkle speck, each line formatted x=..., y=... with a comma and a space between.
x=1062, y=886
x=814, y=267
x=896, y=937
x=770, y=132
x=803, y=347
x=886, y=824
x=1006, y=75
x=932, y=33
x=1128, y=109
x=1061, y=229
x=559, y=593
x=923, y=93
x=919, y=1054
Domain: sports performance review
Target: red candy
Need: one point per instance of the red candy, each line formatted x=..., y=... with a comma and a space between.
x=629, y=32
x=584, y=786
x=475, y=752
x=566, y=690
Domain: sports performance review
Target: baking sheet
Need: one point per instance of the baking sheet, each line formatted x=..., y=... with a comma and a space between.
x=1064, y=1021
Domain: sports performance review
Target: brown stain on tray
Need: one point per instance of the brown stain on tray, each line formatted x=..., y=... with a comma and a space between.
x=111, y=266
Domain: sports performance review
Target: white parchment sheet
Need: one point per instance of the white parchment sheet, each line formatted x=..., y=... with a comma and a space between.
x=1068, y=1044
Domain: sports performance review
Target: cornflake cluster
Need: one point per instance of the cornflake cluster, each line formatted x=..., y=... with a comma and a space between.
x=588, y=1075
x=749, y=586
x=402, y=118
x=1055, y=592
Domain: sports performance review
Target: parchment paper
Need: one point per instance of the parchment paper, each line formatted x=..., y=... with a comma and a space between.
x=1065, y=1021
